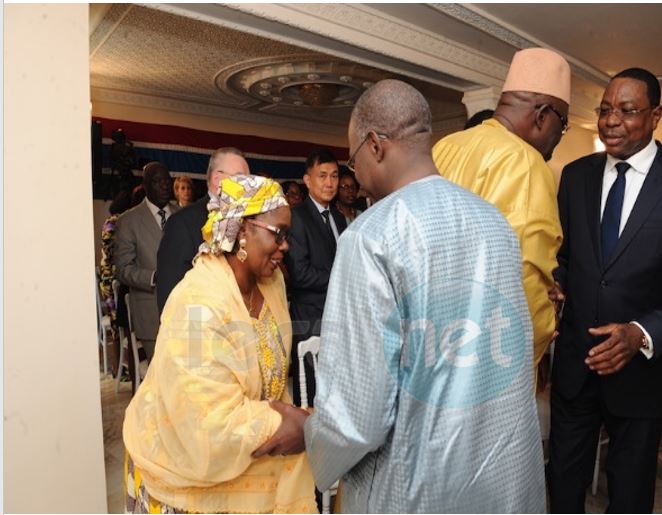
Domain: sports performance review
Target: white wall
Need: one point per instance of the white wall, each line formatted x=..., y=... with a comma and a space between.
x=577, y=142
x=53, y=458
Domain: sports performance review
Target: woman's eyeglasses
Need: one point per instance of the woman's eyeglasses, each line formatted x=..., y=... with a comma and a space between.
x=280, y=234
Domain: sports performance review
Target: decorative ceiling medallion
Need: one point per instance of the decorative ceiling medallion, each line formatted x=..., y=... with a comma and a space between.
x=299, y=81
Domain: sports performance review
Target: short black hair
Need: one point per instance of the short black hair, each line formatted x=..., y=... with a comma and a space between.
x=652, y=84
x=348, y=173
x=479, y=118
x=120, y=203
x=319, y=157
x=285, y=185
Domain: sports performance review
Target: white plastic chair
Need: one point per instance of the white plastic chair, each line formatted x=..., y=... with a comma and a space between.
x=312, y=346
x=131, y=342
x=602, y=440
x=103, y=326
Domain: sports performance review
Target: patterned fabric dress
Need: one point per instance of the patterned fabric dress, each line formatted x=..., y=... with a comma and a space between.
x=424, y=389
x=272, y=359
x=271, y=355
x=107, y=267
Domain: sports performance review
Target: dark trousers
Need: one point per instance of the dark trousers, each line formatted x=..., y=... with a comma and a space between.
x=631, y=455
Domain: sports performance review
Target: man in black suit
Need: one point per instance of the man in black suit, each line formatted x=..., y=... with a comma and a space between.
x=316, y=226
x=183, y=233
x=607, y=362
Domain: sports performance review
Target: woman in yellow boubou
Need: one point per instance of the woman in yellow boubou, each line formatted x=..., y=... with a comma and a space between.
x=216, y=389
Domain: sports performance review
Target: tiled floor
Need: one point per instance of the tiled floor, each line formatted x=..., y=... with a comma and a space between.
x=112, y=411
x=114, y=404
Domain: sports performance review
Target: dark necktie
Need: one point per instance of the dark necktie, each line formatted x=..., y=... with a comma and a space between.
x=611, y=216
x=327, y=222
x=162, y=214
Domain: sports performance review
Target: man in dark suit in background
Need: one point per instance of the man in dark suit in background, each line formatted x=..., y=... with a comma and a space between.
x=183, y=232
x=607, y=362
x=316, y=226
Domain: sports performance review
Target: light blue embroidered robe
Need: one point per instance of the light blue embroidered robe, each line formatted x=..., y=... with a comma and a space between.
x=425, y=396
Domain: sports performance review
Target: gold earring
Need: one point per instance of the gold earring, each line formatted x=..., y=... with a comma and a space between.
x=241, y=253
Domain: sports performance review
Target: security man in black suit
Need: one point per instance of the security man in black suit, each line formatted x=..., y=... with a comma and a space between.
x=182, y=235
x=316, y=226
x=608, y=359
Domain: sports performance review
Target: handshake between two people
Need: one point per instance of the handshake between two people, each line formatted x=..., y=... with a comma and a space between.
x=288, y=438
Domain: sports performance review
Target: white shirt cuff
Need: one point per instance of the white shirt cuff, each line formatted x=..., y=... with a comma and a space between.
x=152, y=283
x=649, y=352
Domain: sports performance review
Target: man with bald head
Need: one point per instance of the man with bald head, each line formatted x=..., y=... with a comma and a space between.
x=423, y=382
x=139, y=232
x=182, y=235
x=503, y=161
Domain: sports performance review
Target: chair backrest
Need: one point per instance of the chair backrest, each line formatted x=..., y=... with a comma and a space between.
x=312, y=346
x=127, y=301
x=133, y=346
x=97, y=289
x=116, y=292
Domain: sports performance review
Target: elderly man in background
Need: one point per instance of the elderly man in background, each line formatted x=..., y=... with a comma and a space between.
x=183, y=233
x=503, y=161
x=137, y=239
x=424, y=381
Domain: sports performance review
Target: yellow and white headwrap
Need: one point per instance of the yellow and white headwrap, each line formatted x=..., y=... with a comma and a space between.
x=239, y=196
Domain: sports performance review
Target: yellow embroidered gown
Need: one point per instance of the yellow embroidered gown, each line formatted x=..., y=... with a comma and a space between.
x=503, y=169
x=203, y=406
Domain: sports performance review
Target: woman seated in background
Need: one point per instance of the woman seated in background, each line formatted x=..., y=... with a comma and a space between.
x=348, y=187
x=183, y=188
x=211, y=394
x=108, y=273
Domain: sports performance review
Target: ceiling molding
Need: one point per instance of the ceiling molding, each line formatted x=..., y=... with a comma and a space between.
x=383, y=42
x=216, y=111
x=485, y=22
x=254, y=81
x=97, y=14
x=111, y=20
x=455, y=59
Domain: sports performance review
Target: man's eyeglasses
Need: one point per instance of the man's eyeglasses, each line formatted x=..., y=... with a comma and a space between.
x=348, y=187
x=352, y=158
x=621, y=114
x=564, y=121
x=280, y=234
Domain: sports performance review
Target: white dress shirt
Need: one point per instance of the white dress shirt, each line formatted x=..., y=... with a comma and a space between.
x=155, y=211
x=321, y=208
x=640, y=164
